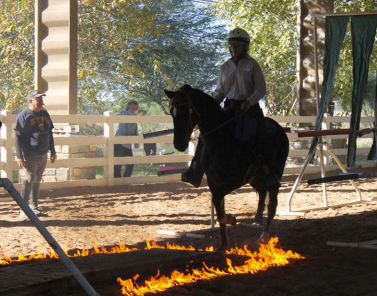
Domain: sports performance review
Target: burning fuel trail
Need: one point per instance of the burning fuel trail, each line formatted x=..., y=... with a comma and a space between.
x=267, y=256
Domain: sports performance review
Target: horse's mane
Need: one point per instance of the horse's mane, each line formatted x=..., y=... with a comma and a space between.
x=204, y=99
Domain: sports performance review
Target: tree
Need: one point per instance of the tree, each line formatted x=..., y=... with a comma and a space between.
x=16, y=53
x=17, y=41
x=107, y=24
x=344, y=80
x=273, y=34
x=272, y=26
x=110, y=32
x=188, y=52
x=186, y=48
x=140, y=47
x=370, y=95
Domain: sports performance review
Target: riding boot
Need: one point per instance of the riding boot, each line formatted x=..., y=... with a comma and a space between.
x=194, y=174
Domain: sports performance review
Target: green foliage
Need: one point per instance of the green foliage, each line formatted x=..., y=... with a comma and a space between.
x=354, y=6
x=370, y=95
x=90, y=130
x=109, y=35
x=344, y=79
x=274, y=43
x=134, y=47
x=183, y=46
x=16, y=53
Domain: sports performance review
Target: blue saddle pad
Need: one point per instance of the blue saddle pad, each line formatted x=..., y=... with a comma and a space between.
x=245, y=126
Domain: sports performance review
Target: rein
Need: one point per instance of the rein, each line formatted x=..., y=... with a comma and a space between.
x=192, y=110
x=217, y=127
x=221, y=125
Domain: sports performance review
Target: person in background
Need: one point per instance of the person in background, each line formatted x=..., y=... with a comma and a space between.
x=241, y=82
x=33, y=140
x=126, y=129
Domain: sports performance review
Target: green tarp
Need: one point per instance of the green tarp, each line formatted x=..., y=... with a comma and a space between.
x=335, y=28
x=363, y=29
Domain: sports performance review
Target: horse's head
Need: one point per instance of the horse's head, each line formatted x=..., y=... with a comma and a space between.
x=181, y=110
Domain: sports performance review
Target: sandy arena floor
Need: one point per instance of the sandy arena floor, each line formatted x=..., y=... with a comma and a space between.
x=133, y=214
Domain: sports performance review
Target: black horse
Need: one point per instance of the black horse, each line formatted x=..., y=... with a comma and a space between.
x=228, y=162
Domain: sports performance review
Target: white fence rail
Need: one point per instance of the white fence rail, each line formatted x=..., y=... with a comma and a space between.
x=106, y=141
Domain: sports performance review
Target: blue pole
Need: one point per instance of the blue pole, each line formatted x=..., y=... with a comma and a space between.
x=7, y=184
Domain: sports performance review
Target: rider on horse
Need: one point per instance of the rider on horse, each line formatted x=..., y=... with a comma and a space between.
x=242, y=84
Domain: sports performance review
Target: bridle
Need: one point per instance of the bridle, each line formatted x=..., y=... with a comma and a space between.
x=190, y=121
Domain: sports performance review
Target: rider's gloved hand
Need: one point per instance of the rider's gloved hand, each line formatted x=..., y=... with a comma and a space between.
x=245, y=106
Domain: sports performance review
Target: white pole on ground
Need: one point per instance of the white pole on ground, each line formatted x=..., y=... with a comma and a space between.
x=7, y=184
x=180, y=234
x=363, y=245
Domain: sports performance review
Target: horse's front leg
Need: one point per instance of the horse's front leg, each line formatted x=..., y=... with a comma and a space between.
x=222, y=217
x=272, y=205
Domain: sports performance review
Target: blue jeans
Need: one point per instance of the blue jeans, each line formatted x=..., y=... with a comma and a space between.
x=120, y=151
x=34, y=167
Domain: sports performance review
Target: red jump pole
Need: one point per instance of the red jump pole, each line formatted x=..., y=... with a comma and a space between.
x=346, y=131
x=365, y=131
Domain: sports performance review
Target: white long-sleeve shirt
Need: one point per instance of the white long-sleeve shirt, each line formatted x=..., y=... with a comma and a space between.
x=244, y=81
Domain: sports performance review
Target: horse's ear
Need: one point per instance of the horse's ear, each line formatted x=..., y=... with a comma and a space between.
x=170, y=94
x=186, y=87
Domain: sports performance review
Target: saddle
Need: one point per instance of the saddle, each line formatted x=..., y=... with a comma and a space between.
x=245, y=126
x=245, y=129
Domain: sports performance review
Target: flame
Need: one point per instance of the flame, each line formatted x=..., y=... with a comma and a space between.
x=267, y=256
x=121, y=248
x=169, y=246
x=21, y=258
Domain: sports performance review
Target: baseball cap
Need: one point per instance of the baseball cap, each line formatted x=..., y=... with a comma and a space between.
x=35, y=94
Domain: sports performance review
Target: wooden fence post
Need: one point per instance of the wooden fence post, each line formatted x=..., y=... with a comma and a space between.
x=108, y=130
x=6, y=149
x=326, y=125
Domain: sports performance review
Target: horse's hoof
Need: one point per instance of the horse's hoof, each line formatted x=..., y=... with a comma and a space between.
x=229, y=219
x=264, y=238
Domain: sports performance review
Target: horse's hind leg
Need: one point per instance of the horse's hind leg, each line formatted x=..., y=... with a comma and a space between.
x=272, y=205
x=261, y=204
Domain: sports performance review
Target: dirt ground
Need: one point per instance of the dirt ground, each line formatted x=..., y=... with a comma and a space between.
x=134, y=214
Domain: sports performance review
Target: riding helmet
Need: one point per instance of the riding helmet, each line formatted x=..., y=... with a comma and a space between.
x=238, y=34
